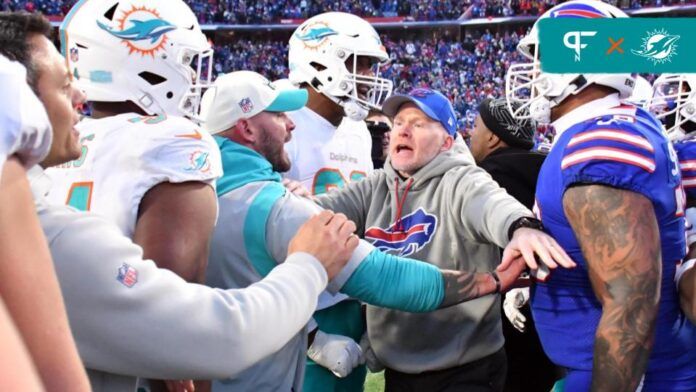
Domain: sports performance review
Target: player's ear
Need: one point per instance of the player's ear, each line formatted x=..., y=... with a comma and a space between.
x=244, y=131
x=493, y=140
x=447, y=143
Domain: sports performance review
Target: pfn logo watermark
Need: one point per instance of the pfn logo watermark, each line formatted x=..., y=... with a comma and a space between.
x=573, y=40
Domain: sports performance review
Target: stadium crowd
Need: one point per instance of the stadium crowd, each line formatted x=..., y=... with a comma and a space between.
x=268, y=11
x=443, y=63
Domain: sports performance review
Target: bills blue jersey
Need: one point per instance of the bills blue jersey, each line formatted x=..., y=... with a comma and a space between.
x=686, y=151
x=624, y=148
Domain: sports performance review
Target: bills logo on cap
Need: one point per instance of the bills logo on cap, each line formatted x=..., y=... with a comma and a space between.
x=246, y=105
x=414, y=232
x=420, y=92
x=127, y=275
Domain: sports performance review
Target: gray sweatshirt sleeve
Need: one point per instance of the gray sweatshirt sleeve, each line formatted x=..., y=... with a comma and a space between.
x=131, y=318
x=288, y=214
x=353, y=200
x=486, y=210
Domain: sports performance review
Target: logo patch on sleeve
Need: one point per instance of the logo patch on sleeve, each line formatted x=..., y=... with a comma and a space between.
x=199, y=161
x=127, y=275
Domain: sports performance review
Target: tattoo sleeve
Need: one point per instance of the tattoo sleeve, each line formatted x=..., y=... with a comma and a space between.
x=462, y=286
x=619, y=237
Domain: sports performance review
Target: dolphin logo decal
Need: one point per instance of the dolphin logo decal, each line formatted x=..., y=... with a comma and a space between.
x=198, y=161
x=316, y=34
x=151, y=29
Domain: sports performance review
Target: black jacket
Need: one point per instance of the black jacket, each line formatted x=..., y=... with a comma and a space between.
x=516, y=170
x=529, y=369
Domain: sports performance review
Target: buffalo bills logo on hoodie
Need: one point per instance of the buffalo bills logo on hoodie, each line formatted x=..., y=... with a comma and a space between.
x=406, y=236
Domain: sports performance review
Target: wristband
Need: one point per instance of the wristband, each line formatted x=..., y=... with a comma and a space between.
x=525, y=221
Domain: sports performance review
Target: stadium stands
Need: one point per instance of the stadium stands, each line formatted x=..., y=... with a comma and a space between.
x=270, y=11
x=444, y=64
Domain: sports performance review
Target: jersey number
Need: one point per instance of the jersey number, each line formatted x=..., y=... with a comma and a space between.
x=150, y=120
x=80, y=195
x=679, y=195
x=328, y=179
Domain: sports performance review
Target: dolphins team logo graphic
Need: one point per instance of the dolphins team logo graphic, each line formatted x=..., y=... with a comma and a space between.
x=314, y=35
x=416, y=230
x=199, y=161
x=141, y=29
x=658, y=46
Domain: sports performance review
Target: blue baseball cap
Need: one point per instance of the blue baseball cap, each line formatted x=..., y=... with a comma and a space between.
x=431, y=102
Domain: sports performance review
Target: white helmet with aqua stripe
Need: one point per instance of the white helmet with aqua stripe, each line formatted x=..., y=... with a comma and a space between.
x=152, y=53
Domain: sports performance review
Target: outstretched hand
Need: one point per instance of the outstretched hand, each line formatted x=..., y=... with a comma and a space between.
x=527, y=243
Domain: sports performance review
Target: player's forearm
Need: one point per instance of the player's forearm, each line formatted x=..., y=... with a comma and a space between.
x=396, y=282
x=623, y=342
x=463, y=286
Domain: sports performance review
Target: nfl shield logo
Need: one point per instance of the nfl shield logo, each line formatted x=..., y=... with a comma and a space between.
x=127, y=275
x=74, y=55
x=246, y=105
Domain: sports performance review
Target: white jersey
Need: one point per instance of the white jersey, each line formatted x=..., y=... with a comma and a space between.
x=126, y=155
x=325, y=157
x=24, y=126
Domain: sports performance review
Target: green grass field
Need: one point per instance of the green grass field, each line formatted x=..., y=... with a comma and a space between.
x=374, y=382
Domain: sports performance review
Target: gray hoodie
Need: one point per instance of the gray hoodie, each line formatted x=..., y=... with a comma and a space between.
x=452, y=214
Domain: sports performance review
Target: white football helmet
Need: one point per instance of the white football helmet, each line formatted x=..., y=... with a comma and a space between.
x=152, y=53
x=318, y=54
x=642, y=93
x=538, y=91
x=674, y=103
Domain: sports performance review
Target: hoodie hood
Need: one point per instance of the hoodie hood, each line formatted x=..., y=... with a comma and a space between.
x=458, y=155
x=241, y=165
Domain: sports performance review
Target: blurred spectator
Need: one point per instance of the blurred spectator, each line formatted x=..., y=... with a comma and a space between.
x=379, y=125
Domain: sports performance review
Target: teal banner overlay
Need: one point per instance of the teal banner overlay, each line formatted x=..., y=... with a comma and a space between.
x=622, y=45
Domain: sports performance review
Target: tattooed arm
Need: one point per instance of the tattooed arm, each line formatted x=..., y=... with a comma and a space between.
x=463, y=286
x=619, y=237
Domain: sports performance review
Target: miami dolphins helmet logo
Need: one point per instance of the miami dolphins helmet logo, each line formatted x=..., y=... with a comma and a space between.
x=141, y=29
x=658, y=46
x=315, y=34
